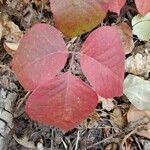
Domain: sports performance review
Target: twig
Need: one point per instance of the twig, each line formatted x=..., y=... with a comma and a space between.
x=71, y=41
x=52, y=142
x=2, y=136
x=23, y=99
x=77, y=141
x=127, y=136
x=65, y=145
x=103, y=141
x=41, y=13
x=129, y=128
x=136, y=140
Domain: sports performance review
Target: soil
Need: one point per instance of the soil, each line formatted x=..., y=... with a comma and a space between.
x=98, y=132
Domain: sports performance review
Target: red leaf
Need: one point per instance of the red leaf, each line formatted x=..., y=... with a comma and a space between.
x=40, y=56
x=143, y=6
x=63, y=102
x=116, y=5
x=102, y=61
x=75, y=17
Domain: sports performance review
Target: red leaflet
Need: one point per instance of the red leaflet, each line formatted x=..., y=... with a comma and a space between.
x=41, y=55
x=143, y=6
x=75, y=17
x=102, y=61
x=116, y=5
x=63, y=102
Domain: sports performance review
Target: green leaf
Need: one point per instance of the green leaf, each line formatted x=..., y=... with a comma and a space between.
x=138, y=91
x=75, y=17
x=141, y=27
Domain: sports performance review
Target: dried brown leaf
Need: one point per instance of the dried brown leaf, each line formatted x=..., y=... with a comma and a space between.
x=10, y=47
x=126, y=36
x=24, y=142
x=92, y=121
x=138, y=64
x=145, y=132
x=118, y=117
x=1, y=1
x=107, y=103
x=11, y=33
x=135, y=114
x=112, y=146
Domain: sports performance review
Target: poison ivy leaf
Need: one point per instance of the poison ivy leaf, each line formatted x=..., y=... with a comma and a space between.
x=75, y=17
x=141, y=27
x=138, y=91
x=143, y=6
x=40, y=56
x=102, y=61
x=116, y=5
x=63, y=102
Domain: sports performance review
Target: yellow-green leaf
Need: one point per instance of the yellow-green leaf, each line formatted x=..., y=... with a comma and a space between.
x=75, y=17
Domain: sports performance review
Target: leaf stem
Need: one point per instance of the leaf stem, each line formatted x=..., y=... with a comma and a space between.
x=72, y=61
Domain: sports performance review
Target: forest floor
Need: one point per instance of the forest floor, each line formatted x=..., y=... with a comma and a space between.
x=108, y=128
